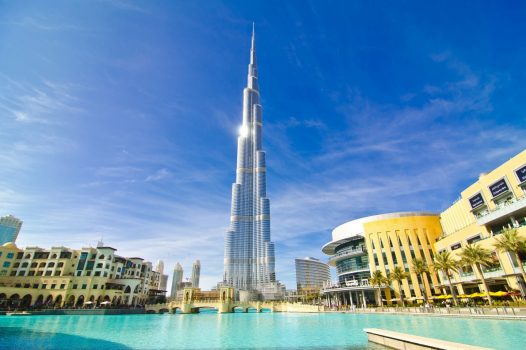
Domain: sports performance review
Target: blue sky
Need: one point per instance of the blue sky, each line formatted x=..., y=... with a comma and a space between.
x=119, y=119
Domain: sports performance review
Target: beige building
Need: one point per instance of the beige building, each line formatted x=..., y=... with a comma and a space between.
x=493, y=203
x=62, y=276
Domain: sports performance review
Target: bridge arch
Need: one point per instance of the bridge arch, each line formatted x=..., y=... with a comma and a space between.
x=239, y=309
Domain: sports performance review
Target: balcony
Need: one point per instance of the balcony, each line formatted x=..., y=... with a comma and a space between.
x=504, y=210
x=348, y=253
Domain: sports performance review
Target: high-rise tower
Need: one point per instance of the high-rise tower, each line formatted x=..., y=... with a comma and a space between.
x=249, y=253
x=196, y=272
x=177, y=279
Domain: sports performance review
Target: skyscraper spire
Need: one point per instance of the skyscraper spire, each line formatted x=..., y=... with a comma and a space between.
x=249, y=252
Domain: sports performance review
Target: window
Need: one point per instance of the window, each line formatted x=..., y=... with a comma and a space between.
x=26, y=285
x=99, y=265
x=28, y=256
x=84, y=286
x=6, y=264
x=10, y=255
x=74, y=286
x=456, y=246
x=105, y=274
x=96, y=274
x=60, y=264
x=42, y=264
x=48, y=273
x=79, y=273
x=35, y=286
x=33, y=265
x=51, y=264
x=44, y=286
x=95, y=286
x=53, y=286
x=21, y=273
x=473, y=239
x=25, y=264
x=62, y=286
x=31, y=273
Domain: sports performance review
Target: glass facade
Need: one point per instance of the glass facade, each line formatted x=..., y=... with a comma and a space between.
x=311, y=274
x=249, y=253
x=9, y=229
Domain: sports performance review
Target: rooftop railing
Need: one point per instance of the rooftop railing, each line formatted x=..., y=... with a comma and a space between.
x=348, y=252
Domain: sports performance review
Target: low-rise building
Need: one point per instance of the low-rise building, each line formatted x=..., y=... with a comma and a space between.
x=495, y=202
x=382, y=242
x=62, y=276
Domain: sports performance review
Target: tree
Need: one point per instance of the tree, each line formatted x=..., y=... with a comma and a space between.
x=378, y=279
x=510, y=242
x=420, y=268
x=398, y=274
x=445, y=263
x=476, y=257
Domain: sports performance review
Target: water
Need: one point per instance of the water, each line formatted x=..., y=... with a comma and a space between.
x=247, y=331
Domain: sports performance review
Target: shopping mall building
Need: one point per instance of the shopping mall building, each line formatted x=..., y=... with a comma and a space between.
x=381, y=242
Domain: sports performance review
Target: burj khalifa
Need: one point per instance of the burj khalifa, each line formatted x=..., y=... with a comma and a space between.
x=249, y=253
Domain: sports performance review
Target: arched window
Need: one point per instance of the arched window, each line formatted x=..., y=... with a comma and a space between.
x=28, y=256
x=101, y=257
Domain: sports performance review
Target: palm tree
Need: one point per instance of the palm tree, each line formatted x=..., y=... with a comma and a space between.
x=445, y=263
x=420, y=268
x=476, y=257
x=398, y=274
x=510, y=242
x=378, y=279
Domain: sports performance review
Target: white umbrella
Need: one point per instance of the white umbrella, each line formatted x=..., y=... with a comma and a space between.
x=105, y=303
x=88, y=302
x=394, y=299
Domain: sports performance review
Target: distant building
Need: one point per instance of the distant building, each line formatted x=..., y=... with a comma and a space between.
x=62, y=276
x=311, y=274
x=9, y=229
x=164, y=282
x=164, y=278
x=160, y=266
x=177, y=279
x=196, y=272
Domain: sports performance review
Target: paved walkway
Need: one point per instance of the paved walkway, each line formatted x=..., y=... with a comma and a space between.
x=505, y=313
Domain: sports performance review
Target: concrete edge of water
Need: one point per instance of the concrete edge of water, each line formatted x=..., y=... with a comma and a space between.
x=403, y=341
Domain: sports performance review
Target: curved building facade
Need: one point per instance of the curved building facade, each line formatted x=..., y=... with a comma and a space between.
x=382, y=242
x=311, y=274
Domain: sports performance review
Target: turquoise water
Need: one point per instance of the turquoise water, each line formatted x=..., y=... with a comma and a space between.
x=250, y=331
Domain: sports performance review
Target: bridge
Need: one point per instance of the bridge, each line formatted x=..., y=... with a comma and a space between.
x=226, y=304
